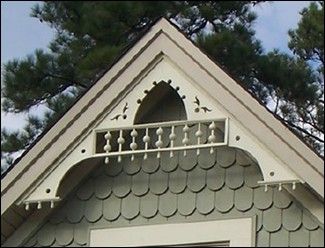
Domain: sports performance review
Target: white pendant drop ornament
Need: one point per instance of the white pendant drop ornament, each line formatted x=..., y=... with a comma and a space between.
x=280, y=186
x=265, y=188
x=293, y=185
x=27, y=206
x=52, y=204
x=39, y=205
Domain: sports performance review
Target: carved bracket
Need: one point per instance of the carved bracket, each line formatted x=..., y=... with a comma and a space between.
x=148, y=138
x=122, y=142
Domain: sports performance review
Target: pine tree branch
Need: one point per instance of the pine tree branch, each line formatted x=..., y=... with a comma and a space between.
x=312, y=122
x=301, y=130
x=197, y=28
x=320, y=57
x=67, y=79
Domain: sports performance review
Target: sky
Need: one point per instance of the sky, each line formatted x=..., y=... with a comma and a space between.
x=22, y=34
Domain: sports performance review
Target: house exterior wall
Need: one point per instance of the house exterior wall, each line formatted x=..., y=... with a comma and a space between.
x=204, y=187
x=194, y=188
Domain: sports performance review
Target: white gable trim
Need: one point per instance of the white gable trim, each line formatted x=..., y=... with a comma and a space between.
x=210, y=78
x=165, y=70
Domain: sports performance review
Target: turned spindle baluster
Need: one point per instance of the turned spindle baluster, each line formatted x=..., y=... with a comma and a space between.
x=159, y=142
x=172, y=137
x=146, y=140
x=39, y=205
x=107, y=147
x=186, y=140
x=27, y=206
x=133, y=145
x=52, y=204
x=198, y=134
x=212, y=137
x=120, y=142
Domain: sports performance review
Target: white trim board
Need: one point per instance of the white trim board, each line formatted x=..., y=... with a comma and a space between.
x=238, y=232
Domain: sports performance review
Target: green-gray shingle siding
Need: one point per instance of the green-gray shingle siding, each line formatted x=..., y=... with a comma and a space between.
x=180, y=189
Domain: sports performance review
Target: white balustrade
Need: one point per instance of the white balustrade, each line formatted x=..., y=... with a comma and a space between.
x=184, y=143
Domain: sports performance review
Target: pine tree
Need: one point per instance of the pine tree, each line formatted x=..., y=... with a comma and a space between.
x=89, y=35
x=306, y=107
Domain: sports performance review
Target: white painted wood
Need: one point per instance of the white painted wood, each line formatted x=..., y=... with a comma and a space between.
x=239, y=232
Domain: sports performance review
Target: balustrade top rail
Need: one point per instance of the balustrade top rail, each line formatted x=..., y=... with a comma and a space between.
x=161, y=124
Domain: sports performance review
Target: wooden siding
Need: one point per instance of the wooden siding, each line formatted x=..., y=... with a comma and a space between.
x=180, y=189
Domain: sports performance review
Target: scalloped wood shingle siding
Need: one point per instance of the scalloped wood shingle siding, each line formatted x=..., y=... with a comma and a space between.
x=180, y=189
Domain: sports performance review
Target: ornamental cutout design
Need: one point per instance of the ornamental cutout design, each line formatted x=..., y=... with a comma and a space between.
x=198, y=108
x=123, y=115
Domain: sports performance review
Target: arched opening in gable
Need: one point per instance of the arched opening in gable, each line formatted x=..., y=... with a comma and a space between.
x=161, y=104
